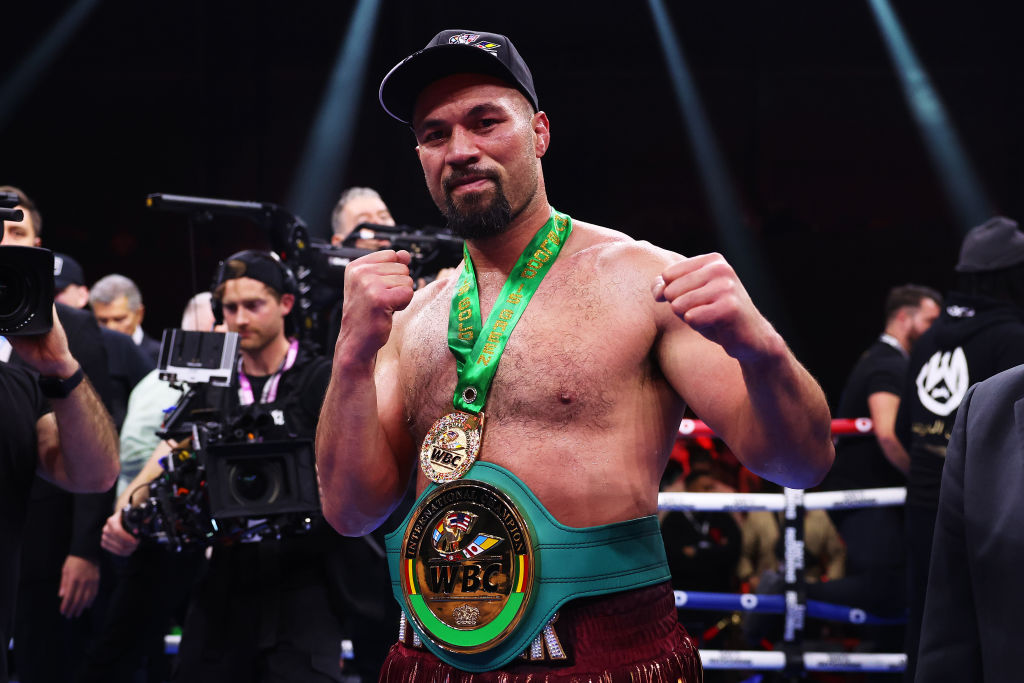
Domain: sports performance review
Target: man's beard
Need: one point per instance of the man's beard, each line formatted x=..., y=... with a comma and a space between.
x=481, y=216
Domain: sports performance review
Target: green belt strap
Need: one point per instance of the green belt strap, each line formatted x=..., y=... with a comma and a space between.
x=572, y=563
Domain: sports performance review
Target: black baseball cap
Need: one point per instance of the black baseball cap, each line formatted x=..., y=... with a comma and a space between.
x=66, y=271
x=263, y=266
x=450, y=52
x=995, y=244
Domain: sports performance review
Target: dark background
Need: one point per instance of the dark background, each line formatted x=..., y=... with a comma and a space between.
x=216, y=99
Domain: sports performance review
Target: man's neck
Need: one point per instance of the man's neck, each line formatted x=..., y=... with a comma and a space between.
x=500, y=253
x=899, y=336
x=267, y=360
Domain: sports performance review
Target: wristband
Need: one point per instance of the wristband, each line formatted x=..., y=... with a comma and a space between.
x=55, y=387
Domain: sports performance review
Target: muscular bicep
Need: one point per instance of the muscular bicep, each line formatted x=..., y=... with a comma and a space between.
x=708, y=380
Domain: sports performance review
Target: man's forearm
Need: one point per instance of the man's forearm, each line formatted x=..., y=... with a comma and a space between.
x=86, y=459
x=359, y=477
x=789, y=423
x=894, y=452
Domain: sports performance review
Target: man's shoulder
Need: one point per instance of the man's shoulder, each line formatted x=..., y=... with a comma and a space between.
x=1004, y=386
x=613, y=249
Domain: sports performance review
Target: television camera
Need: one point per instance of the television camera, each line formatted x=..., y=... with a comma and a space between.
x=230, y=478
x=319, y=266
x=26, y=280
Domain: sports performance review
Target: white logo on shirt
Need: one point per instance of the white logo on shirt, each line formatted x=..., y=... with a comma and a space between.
x=278, y=417
x=943, y=381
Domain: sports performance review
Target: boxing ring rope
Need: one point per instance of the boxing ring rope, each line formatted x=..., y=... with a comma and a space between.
x=776, y=604
x=792, y=603
x=838, y=662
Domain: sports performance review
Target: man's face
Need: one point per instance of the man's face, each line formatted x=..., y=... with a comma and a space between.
x=358, y=210
x=117, y=315
x=479, y=144
x=253, y=312
x=921, y=318
x=20, y=233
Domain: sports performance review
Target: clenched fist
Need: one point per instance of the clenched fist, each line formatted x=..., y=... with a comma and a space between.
x=706, y=294
x=376, y=285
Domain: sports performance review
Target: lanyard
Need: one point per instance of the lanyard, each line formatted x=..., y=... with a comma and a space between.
x=269, y=395
x=477, y=348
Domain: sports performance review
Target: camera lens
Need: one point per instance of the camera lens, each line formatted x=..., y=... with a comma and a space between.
x=13, y=294
x=26, y=290
x=258, y=482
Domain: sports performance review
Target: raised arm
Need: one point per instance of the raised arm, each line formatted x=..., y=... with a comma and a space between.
x=363, y=452
x=736, y=372
x=77, y=441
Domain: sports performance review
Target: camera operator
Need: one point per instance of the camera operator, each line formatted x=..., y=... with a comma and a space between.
x=71, y=442
x=358, y=205
x=264, y=611
x=60, y=584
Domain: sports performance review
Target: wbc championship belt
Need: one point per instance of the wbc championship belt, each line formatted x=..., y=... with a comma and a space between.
x=467, y=566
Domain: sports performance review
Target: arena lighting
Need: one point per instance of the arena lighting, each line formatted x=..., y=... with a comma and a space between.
x=317, y=181
x=737, y=246
x=963, y=191
x=28, y=73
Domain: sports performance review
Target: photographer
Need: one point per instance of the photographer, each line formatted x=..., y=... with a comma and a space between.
x=71, y=442
x=264, y=611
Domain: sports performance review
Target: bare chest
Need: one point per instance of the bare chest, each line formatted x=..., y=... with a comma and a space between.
x=573, y=356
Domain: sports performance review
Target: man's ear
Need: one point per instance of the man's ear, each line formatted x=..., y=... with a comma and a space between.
x=541, y=133
x=287, y=302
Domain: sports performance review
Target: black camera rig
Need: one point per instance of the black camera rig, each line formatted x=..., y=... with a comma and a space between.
x=319, y=266
x=26, y=280
x=231, y=478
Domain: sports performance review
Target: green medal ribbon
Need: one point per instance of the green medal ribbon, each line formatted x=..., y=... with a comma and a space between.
x=477, y=348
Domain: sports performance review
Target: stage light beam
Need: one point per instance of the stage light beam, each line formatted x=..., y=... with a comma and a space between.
x=963, y=190
x=317, y=181
x=30, y=70
x=738, y=245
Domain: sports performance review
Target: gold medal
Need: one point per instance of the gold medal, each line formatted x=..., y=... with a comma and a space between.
x=451, y=446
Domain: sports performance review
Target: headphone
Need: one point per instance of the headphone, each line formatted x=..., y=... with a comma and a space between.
x=255, y=264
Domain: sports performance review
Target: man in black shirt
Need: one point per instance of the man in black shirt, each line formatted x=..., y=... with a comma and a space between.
x=70, y=441
x=979, y=333
x=266, y=611
x=873, y=390
x=874, y=536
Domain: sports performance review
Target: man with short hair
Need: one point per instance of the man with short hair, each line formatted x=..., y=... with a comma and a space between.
x=26, y=232
x=576, y=427
x=60, y=569
x=117, y=304
x=874, y=536
x=358, y=205
x=264, y=608
x=873, y=390
x=70, y=441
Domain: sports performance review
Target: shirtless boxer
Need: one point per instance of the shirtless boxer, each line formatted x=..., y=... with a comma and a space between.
x=582, y=411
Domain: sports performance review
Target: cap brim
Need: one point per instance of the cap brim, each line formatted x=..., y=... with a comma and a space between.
x=404, y=83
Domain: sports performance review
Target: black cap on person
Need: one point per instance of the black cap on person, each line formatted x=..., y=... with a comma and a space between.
x=995, y=244
x=66, y=271
x=452, y=52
